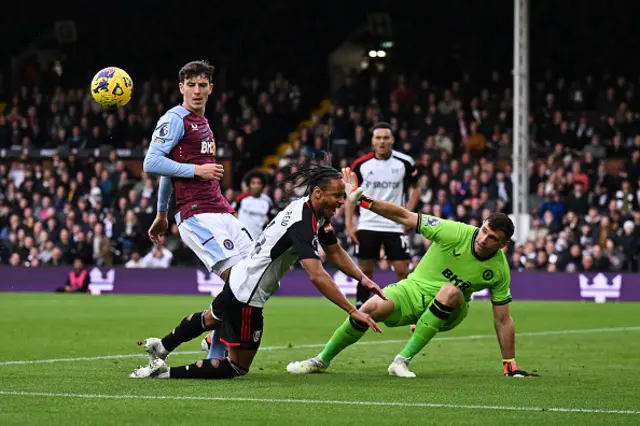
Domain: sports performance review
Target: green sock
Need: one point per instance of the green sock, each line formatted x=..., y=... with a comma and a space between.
x=427, y=327
x=347, y=334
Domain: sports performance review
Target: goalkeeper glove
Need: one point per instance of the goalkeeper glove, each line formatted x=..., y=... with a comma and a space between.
x=511, y=370
x=354, y=193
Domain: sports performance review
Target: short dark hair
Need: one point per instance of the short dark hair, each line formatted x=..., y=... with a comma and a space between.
x=255, y=174
x=501, y=222
x=382, y=125
x=196, y=68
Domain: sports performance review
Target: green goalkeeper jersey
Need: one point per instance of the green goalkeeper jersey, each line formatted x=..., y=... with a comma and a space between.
x=452, y=259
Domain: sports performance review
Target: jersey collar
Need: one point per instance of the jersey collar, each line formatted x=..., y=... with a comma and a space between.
x=320, y=220
x=385, y=158
x=473, y=248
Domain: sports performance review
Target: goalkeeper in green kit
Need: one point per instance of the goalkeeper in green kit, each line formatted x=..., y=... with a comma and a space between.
x=461, y=260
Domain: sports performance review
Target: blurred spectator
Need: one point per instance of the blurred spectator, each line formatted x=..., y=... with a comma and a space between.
x=158, y=257
x=77, y=279
x=135, y=261
x=584, y=171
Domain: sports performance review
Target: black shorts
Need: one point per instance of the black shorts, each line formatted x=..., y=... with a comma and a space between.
x=241, y=325
x=396, y=245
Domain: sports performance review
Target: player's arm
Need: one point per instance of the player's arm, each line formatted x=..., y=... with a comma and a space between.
x=161, y=223
x=168, y=132
x=431, y=227
x=302, y=238
x=341, y=260
x=349, y=211
x=505, y=330
x=165, y=190
x=412, y=180
x=321, y=279
x=391, y=211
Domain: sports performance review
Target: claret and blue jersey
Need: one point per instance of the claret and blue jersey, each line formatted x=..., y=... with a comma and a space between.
x=180, y=141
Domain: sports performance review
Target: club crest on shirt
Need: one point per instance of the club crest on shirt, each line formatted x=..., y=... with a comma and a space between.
x=228, y=244
x=487, y=274
x=164, y=130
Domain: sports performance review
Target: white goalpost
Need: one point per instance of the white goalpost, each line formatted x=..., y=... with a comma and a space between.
x=520, y=141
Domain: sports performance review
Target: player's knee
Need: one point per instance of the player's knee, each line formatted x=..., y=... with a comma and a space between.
x=219, y=368
x=235, y=369
x=377, y=308
x=209, y=321
x=450, y=295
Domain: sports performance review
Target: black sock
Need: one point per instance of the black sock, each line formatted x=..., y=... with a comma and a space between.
x=221, y=368
x=362, y=295
x=190, y=328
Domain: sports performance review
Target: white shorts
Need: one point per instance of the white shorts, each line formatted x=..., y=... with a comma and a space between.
x=220, y=240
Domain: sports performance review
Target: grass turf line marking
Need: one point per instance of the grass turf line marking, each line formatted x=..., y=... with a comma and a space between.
x=319, y=401
x=321, y=345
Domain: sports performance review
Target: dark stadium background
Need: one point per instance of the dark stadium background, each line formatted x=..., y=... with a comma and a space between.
x=295, y=37
x=440, y=41
x=575, y=280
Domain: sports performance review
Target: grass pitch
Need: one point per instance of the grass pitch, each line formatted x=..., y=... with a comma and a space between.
x=64, y=359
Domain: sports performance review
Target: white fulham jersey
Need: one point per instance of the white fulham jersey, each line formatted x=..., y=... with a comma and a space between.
x=293, y=234
x=252, y=212
x=387, y=180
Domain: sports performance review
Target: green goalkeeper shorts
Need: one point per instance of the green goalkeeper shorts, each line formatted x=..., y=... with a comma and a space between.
x=410, y=303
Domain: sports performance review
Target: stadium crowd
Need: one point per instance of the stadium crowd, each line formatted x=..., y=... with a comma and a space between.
x=584, y=174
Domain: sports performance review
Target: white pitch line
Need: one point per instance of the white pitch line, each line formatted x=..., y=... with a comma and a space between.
x=321, y=345
x=320, y=401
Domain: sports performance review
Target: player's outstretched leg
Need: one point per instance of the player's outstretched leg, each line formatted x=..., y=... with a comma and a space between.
x=347, y=334
x=191, y=327
x=438, y=312
x=221, y=368
x=235, y=365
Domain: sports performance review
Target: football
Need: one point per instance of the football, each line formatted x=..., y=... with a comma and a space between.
x=111, y=88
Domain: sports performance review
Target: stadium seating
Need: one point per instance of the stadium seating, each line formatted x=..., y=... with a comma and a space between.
x=58, y=201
